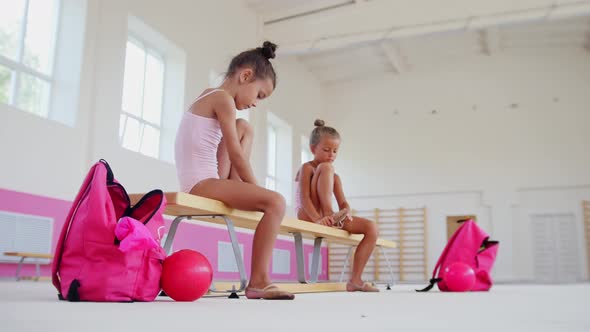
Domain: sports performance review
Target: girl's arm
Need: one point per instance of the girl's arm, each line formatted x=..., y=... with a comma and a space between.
x=225, y=109
x=305, y=186
x=339, y=193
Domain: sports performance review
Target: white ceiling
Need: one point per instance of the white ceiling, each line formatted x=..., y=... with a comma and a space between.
x=362, y=57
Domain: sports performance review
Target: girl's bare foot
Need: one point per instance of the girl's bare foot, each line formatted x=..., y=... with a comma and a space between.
x=270, y=292
x=364, y=287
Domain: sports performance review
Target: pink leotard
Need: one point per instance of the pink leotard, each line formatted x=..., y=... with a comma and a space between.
x=195, y=149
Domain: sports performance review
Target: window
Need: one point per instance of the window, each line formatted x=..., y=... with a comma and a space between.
x=271, y=158
x=306, y=154
x=143, y=88
x=243, y=114
x=153, y=81
x=215, y=78
x=226, y=258
x=27, y=39
x=281, y=261
x=279, y=157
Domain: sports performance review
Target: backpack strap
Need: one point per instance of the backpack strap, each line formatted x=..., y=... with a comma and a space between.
x=430, y=285
x=110, y=174
x=434, y=280
x=488, y=243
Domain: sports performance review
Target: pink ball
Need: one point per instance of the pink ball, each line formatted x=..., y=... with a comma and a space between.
x=459, y=277
x=186, y=275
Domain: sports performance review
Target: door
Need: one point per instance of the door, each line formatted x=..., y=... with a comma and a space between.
x=555, y=248
x=453, y=225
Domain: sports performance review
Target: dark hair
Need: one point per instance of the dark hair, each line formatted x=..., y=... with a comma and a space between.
x=258, y=59
x=320, y=130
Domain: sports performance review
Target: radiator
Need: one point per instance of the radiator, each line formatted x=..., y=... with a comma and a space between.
x=25, y=233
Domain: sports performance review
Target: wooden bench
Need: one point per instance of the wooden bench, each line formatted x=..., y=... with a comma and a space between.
x=186, y=207
x=24, y=255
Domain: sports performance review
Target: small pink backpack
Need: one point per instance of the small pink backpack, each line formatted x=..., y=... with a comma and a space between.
x=88, y=265
x=472, y=246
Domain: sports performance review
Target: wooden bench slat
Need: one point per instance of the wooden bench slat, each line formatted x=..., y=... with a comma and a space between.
x=28, y=254
x=183, y=204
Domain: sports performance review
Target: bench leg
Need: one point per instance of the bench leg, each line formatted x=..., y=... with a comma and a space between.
x=38, y=269
x=238, y=256
x=19, y=267
x=172, y=233
x=234, y=241
x=300, y=257
x=315, y=259
x=345, y=267
x=237, y=253
x=388, y=266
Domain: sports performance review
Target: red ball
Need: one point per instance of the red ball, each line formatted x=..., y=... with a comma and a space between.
x=186, y=275
x=459, y=277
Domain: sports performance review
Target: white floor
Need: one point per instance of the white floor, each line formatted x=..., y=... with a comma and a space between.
x=30, y=306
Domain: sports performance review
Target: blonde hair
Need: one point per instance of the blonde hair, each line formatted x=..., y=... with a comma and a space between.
x=320, y=130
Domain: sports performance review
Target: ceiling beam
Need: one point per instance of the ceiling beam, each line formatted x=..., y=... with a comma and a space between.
x=490, y=40
x=307, y=9
x=393, y=54
x=275, y=16
x=365, y=22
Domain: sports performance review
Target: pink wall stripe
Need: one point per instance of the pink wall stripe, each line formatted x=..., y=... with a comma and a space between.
x=23, y=203
x=202, y=238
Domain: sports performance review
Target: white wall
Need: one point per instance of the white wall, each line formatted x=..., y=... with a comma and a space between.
x=46, y=158
x=493, y=152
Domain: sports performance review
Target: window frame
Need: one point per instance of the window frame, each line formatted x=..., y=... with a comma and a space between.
x=148, y=49
x=17, y=67
x=271, y=177
x=284, y=156
x=305, y=151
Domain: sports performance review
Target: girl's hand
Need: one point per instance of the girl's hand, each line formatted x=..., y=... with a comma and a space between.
x=349, y=214
x=326, y=221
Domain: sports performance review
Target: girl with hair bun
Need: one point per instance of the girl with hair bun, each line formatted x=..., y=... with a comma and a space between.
x=316, y=184
x=212, y=153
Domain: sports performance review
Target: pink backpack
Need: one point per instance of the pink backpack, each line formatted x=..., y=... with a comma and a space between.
x=469, y=245
x=88, y=265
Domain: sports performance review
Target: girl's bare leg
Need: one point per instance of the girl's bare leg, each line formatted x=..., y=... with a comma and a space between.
x=365, y=248
x=249, y=197
x=322, y=188
x=246, y=138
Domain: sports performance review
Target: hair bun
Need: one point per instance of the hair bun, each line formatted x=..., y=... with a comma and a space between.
x=319, y=123
x=268, y=50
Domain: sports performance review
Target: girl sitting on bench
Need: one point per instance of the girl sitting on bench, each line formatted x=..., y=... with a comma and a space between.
x=212, y=153
x=316, y=182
